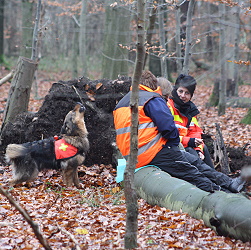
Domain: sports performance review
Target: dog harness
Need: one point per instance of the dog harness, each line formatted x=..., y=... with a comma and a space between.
x=64, y=150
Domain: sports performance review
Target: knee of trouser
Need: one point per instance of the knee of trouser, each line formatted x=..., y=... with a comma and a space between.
x=190, y=157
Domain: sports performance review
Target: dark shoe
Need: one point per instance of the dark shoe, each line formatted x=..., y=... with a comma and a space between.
x=217, y=188
x=237, y=185
x=226, y=190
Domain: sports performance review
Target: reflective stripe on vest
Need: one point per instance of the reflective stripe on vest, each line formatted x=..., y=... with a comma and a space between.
x=141, y=126
x=148, y=145
x=177, y=118
x=181, y=124
x=180, y=119
x=182, y=130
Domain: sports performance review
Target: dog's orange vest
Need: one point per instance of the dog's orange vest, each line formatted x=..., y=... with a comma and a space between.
x=64, y=150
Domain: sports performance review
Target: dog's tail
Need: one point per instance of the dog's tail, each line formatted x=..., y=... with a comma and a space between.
x=14, y=151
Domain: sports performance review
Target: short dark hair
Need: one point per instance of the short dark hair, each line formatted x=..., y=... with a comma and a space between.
x=149, y=80
x=186, y=81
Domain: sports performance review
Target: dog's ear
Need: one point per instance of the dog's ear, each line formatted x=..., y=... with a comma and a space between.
x=79, y=107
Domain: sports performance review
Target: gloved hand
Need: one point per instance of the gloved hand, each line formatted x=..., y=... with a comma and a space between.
x=198, y=142
x=202, y=157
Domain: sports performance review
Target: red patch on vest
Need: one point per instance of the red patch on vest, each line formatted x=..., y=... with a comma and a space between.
x=64, y=150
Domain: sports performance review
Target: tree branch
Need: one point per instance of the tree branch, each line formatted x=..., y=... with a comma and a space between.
x=7, y=77
x=77, y=246
x=27, y=217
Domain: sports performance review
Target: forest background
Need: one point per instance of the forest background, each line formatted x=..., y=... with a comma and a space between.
x=97, y=39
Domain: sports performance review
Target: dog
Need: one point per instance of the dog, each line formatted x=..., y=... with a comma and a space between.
x=64, y=153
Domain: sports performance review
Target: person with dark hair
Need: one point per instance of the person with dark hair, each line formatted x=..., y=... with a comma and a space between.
x=158, y=139
x=185, y=116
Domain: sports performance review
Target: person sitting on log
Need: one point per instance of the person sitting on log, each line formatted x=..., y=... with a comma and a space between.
x=191, y=156
x=158, y=138
x=185, y=112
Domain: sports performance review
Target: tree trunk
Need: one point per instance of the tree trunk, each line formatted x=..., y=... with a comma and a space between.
x=222, y=87
x=236, y=50
x=154, y=63
x=178, y=42
x=115, y=57
x=227, y=214
x=130, y=192
x=150, y=30
x=27, y=8
x=162, y=40
x=214, y=98
x=19, y=94
x=188, y=37
x=34, y=55
x=183, y=6
x=35, y=43
x=2, y=31
x=75, y=52
x=209, y=56
x=82, y=38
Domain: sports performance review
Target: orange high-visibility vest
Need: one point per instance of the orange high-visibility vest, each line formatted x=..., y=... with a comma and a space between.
x=192, y=131
x=150, y=141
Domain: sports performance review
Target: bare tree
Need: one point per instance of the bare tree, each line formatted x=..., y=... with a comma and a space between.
x=222, y=87
x=2, y=3
x=34, y=55
x=130, y=192
x=188, y=37
x=75, y=52
x=82, y=37
x=236, y=49
x=178, y=41
x=27, y=27
x=162, y=38
x=150, y=29
x=115, y=55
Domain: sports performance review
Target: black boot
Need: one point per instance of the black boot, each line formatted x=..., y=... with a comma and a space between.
x=237, y=185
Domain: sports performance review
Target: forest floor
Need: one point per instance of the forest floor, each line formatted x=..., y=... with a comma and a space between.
x=94, y=216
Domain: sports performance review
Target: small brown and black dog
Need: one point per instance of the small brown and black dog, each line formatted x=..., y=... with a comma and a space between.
x=65, y=153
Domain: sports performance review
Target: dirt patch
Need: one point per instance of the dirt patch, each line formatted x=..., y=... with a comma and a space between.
x=237, y=156
x=99, y=98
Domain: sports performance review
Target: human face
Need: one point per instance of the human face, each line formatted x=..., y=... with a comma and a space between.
x=184, y=94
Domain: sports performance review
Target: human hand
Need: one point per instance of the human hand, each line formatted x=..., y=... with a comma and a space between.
x=198, y=142
x=202, y=157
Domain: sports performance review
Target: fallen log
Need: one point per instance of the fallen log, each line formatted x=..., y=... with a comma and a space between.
x=238, y=102
x=7, y=77
x=228, y=214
